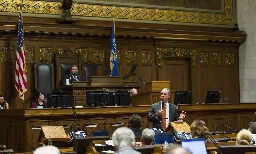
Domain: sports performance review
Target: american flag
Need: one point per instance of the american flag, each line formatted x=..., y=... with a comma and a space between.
x=20, y=76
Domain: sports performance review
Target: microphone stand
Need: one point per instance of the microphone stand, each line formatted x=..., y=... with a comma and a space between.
x=143, y=83
x=217, y=129
x=212, y=140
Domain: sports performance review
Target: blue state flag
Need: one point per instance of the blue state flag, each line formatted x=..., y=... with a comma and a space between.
x=113, y=54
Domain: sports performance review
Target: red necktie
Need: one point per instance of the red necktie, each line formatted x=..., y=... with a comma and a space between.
x=164, y=117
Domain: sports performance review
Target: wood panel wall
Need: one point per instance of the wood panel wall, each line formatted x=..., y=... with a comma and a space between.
x=210, y=53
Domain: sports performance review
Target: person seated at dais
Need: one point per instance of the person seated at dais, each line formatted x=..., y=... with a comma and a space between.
x=73, y=76
x=3, y=103
x=199, y=129
x=40, y=102
x=244, y=137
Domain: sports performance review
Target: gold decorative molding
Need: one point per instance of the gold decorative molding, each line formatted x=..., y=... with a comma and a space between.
x=119, y=55
x=147, y=57
x=65, y=52
x=230, y=58
x=79, y=93
x=46, y=54
x=217, y=58
x=99, y=56
x=124, y=13
x=204, y=58
x=83, y=54
x=176, y=52
x=131, y=56
x=5, y=53
x=30, y=54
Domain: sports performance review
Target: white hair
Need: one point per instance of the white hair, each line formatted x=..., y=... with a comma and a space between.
x=148, y=136
x=123, y=137
x=47, y=150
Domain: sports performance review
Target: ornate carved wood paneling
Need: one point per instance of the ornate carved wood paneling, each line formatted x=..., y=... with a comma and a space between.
x=217, y=58
x=83, y=54
x=204, y=58
x=98, y=56
x=131, y=57
x=211, y=12
x=147, y=57
x=46, y=54
x=176, y=52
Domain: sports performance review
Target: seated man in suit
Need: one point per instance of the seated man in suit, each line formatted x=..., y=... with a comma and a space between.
x=73, y=76
x=163, y=112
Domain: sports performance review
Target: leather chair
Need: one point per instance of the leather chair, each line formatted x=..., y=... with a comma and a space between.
x=63, y=61
x=89, y=69
x=44, y=77
x=236, y=149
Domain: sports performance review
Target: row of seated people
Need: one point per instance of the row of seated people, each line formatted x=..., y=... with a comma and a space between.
x=41, y=103
x=40, y=100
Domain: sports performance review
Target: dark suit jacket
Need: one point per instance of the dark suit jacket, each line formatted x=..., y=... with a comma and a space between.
x=157, y=120
x=71, y=79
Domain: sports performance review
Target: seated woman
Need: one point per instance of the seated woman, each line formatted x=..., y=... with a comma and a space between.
x=40, y=103
x=244, y=137
x=199, y=129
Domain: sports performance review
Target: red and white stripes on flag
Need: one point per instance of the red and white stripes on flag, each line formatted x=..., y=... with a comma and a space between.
x=20, y=76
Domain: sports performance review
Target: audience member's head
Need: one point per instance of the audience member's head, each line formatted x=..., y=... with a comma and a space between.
x=47, y=150
x=244, y=137
x=123, y=137
x=147, y=136
x=252, y=128
x=135, y=121
x=199, y=129
x=177, y=149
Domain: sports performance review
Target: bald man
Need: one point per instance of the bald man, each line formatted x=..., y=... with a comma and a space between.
x=47, y=150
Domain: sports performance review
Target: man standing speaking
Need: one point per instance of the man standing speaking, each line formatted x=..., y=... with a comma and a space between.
x=163, y=112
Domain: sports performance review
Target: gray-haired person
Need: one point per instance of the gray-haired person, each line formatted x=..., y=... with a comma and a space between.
x=124, y=140
x=47, y=150
x=147, y=137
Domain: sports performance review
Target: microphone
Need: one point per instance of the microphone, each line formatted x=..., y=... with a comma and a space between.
x=162, y=105
x=217, y=129
x=229, y=128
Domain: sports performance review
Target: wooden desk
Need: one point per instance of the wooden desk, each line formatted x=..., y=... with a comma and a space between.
x=78, y=89
x=22, y=127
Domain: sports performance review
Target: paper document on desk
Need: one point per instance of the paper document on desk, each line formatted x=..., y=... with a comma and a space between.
x=119, y=124
x=109, y=142
x=92, y=125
